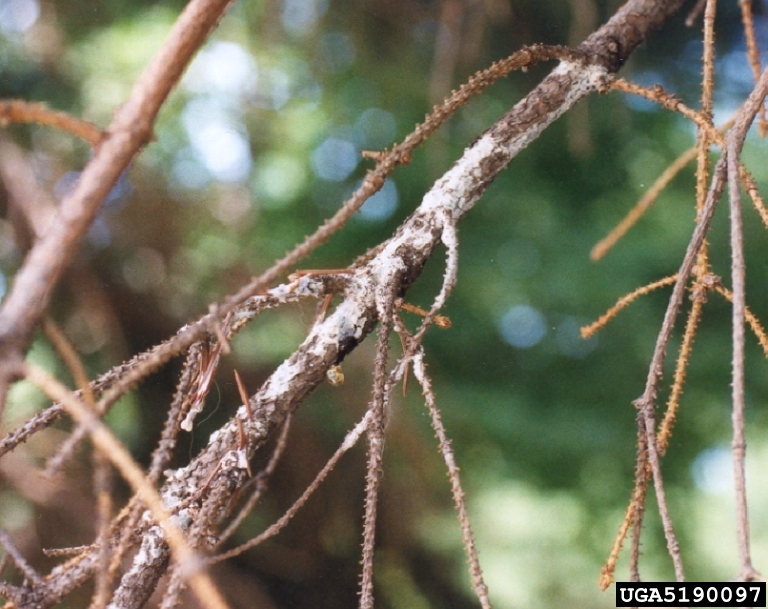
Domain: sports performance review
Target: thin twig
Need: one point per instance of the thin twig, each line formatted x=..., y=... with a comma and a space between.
x=11, y=550
x=633, y=517
x=753, y=53
x=637, y=503
x=21, y=111
x=739, y=444
x=475, y=572
x=646, y=403
x=102, y=485
x=261, y=483
x=376, y=426
x=602, y=247
x=673, y=403
x=649, y=421
x=622, y=303
x=75, y=365
x=349, y=441
x=111, y=447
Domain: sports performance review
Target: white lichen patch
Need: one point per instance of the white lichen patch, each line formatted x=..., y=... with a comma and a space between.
x=281, y=379
x=152, y=547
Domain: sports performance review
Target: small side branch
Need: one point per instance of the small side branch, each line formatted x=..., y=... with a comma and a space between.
x=21, y=111
x=475, y=572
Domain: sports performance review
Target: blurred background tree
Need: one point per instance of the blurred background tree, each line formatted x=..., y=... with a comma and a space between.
x=259, y=144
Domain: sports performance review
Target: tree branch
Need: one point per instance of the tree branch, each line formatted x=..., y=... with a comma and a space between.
x=130, y=130
x=201, y=492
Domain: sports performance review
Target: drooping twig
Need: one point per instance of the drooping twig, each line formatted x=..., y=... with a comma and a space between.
x=623, y=302
x=376, y=427
x=646, y=403
x=349, y=441
x=648, y=419
x=739, y=444
x=681, y=367
x=637, y=503
x=705, y=133
x=475, y=572
x=602, y=247
x=633, y=517
x=102, y=486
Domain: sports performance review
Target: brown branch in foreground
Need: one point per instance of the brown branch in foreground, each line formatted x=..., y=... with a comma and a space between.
x=21, y=111
x=387, y=162
x=646, y=403
x=116, y=453
x=130, y=130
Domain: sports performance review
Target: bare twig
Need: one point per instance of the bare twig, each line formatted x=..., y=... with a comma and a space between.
x=110, y=447
x=11, y=550
x=102, y=485
x=376, y=426
x=753, y=52
x=260, y=482
x=475, y=572
x=739, y=444
x=349, y=441
x=623, y=302
x=21, y=111
x=646, y=403
x=649, y=198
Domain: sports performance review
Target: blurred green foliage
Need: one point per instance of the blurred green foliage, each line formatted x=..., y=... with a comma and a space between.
x=262, y=141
